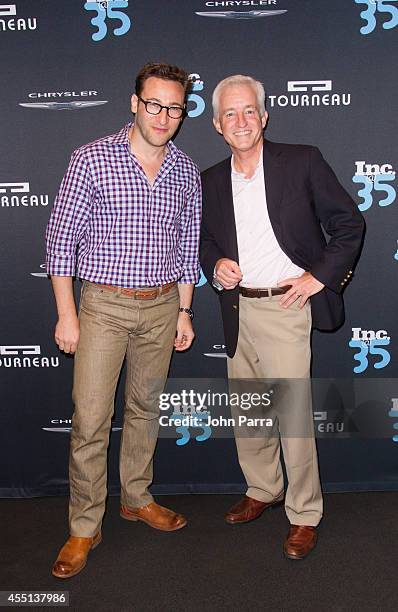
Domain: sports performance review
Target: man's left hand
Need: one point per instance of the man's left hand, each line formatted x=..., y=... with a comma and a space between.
x=185, y=333
x=301, y=288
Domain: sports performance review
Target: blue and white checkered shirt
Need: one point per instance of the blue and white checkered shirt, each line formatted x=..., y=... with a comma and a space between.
x=109, y=225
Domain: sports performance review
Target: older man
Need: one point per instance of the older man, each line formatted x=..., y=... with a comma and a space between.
x=263, y=248
x=126, y=220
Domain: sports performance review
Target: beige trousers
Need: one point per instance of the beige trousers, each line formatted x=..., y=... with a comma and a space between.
x=274, y=344
x=114, y=327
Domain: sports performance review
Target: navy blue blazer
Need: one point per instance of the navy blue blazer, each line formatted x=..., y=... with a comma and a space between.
x=303, y=196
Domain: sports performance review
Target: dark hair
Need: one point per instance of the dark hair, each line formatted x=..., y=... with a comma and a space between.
x=161, y=71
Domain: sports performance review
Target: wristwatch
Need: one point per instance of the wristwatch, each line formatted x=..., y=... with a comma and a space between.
x=216, y=284
x=189, y=311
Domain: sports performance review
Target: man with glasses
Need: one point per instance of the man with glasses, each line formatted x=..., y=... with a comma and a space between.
x=126, y=221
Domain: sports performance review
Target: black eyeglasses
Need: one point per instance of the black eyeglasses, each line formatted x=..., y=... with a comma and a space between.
x=153, y=108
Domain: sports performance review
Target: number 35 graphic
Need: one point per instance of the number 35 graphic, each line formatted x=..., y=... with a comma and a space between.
x=382, y=6
x=197, y=85
x=364, y=349
x=377, y=185
x=108, y=10
x=199, y=421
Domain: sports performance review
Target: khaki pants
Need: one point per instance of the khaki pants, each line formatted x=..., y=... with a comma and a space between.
x=274, y=343
x=112, y=327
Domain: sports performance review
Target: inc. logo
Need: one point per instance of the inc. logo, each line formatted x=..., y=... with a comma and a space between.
x=369, y=342
x=374, y=178
x=108, y=9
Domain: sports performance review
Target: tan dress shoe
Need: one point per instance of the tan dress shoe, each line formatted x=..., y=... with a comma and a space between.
x=72, y=557
x=155, y=516
x=248, y=509
x=300, y=540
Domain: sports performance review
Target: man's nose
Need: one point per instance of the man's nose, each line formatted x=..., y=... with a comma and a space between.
x=163, y=116
x=242, y=119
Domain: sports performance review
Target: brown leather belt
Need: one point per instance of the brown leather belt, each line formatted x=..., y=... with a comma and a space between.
x=260, y=293
x=139, y=294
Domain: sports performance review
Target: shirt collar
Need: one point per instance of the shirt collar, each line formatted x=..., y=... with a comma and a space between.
x=239, y=175
x=121, y=138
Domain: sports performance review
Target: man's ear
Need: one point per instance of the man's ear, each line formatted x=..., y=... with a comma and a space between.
x=134, y=103
x=217, y=125
x=264, y=119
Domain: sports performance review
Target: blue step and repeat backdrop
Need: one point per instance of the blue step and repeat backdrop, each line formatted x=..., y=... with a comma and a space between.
x=67, y=72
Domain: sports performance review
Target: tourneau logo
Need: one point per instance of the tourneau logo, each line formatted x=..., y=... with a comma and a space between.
x=254, y=13
x=25, y=356
x=14, y=187
x=334, y=421
x=310, y=93
x=309, y=85
x=9, y=197
x=322, y=424
x=62, y=100
x=8, y=20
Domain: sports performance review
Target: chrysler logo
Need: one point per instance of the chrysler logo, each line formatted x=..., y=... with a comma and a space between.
x=63, y=105
x=69, y=429
x=240, y=14
x=41, y=274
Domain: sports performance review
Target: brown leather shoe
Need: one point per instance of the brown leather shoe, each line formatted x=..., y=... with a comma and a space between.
x=155, y=516
x=248, y=509
x=300, y=540
x=73, y=556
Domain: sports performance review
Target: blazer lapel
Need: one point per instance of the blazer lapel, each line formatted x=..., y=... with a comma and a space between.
x=274, y=179
x=224, y=189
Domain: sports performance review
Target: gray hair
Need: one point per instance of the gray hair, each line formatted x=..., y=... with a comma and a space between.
x=239, y=79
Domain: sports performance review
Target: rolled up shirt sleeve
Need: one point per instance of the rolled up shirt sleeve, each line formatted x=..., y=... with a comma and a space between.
x=69, y=217
x=190, y=234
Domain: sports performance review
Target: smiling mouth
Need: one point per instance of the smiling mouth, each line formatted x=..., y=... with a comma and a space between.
x=242, y=133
